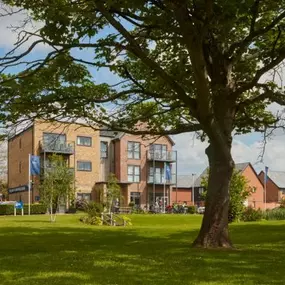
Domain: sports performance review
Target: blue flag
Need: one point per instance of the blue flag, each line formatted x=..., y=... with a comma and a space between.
x=35, y=165
x=168, y=171
x=265, y=174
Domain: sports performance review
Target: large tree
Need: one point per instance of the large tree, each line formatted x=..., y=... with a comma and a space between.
x=188, y=65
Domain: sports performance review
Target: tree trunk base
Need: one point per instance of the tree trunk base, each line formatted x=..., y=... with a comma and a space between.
x=209, y=241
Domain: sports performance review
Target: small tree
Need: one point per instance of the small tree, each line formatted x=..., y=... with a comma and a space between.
x=57, y=185
x=4, y=189
x=111, y=194
x=239, y=191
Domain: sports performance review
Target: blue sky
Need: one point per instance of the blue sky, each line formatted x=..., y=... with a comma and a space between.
x=191, y=152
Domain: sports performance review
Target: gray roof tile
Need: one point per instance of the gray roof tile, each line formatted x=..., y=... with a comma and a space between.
x=185, y=181
x=278, y=177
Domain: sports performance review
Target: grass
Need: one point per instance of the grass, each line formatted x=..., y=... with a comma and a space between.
x=155, y=250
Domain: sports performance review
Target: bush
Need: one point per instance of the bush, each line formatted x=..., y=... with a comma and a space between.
x=250, y=214
x=36, y=209
x=282, y=203
x=275, y=214
x=127, y=220
x=96, y=221
x=191, y=209
x=80, y=204
x=93, y=209
x=131, y=204
x=71, y=210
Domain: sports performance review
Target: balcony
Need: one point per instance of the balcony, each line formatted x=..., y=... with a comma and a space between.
x=170, y=156
x=49, y=168
x=57, y=147
x=159, y=179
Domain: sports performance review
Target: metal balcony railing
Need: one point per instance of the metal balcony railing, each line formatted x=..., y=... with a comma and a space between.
x=159, y=179
x=57, y=147
x=162, y=155
x=49, y=168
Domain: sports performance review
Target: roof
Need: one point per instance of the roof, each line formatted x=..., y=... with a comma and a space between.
x=242, y=166
x=119, y=135
x=278, y=177
x=185, y=181
x=108, y=133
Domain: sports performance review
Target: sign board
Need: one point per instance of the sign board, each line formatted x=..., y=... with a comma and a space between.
x=18, y=189
x=19, y=205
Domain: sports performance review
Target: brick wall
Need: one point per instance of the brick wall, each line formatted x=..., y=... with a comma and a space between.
x=273, y=194
x=122, y=161
x=19, y=149
x=183, y=194
x=256, y=199
x=84, y=180
x=30, y=143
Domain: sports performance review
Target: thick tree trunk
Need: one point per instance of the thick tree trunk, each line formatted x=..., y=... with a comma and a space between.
x=214, y=229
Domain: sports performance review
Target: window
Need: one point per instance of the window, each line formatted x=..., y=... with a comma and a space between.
x=201, y=190
x=158, y=150
x=20, y=167
x=133, y=173
x=84, y=166
x=84, y=141
x=158, y=175
x=84, y=196
x=134, y=150
x=104, y=149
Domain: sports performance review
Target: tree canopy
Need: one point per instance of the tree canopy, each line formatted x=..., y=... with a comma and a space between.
x=189, y=65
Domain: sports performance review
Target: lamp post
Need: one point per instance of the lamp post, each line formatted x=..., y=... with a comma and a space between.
x=193, y=188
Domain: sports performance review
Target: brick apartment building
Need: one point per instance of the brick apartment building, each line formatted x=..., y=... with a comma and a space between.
x=138, y=163
x=80, y=147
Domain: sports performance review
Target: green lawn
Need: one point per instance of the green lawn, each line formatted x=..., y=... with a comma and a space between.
x=155, y=250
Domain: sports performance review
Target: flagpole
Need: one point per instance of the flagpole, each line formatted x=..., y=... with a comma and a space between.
x=29, y=187
x=193, y=188
x=265, y=186
x=164, y=187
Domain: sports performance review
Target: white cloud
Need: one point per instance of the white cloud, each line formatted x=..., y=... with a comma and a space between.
x=8, y=27
x=192, y=157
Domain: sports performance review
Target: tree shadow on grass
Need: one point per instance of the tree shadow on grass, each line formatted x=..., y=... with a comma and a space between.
x=86, y=255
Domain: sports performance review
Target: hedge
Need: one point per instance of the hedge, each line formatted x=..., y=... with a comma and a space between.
x=36, y=209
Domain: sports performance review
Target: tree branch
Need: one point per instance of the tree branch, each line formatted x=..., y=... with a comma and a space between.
x=137, y=50
x=239, y=47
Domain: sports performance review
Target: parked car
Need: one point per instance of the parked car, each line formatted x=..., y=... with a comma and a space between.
x=201, y=210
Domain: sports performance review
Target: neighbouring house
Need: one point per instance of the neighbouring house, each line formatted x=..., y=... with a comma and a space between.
x=275, y=186
x=256, y=198
x=144, y=166
x=183, y=191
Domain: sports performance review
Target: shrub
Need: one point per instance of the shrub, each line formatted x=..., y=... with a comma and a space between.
x=250, y=214
x=282, y=203
x=93, y=209
x=80, y=204
x=96, y=221
x=131, y=204
x=36, y=209
x=127, y=220
x=275, y=214
x=137, y=210
x=191, y=209
x=71, y=210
